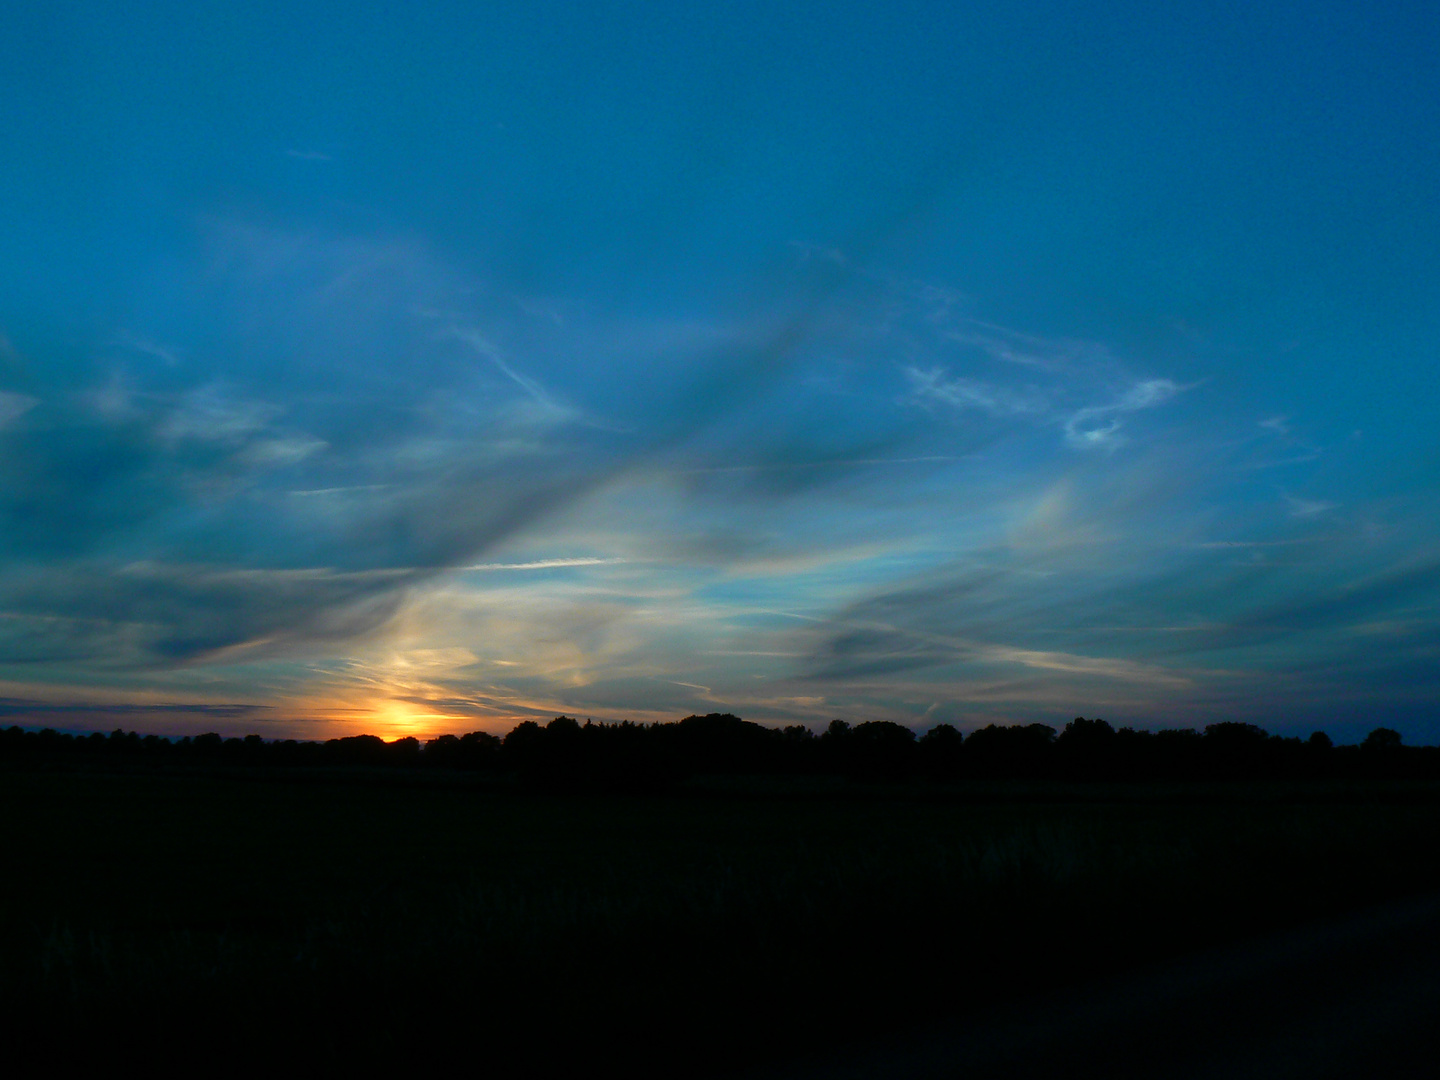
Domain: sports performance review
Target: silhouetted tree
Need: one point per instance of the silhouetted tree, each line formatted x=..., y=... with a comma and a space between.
x=880, y=749
x=522, y=751
x=1235, y=750
x=1009, y=752
x=1086, y=749
x=1382, y=738
x=480, y=750
x=798, y=749
x=357, y=750
x=940, y=752
x=640, y=757
x=721, y=743
x=562, y=754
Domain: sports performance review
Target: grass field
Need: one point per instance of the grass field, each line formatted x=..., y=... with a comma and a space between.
x=353, y=917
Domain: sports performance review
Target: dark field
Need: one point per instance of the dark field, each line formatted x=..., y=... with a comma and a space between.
x=366, y=916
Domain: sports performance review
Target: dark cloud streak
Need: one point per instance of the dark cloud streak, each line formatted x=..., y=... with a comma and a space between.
x=148, y=509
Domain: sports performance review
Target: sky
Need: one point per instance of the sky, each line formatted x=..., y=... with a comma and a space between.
x=419, y=369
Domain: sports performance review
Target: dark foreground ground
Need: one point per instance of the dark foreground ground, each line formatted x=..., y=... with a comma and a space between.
x=1350, y=996
x=1005, y=930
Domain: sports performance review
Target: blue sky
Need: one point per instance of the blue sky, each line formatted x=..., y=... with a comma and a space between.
x=421, y=370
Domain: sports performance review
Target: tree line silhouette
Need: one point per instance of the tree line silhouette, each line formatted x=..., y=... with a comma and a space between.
x=565, y=753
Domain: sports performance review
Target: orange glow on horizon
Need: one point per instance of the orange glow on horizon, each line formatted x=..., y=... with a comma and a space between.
x=401, y=719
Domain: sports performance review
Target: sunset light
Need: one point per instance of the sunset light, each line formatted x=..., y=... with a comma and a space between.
x=924, y=369
x=744, y=540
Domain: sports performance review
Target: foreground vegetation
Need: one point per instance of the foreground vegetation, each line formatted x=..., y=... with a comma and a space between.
x=351, y=915
x=565, y=754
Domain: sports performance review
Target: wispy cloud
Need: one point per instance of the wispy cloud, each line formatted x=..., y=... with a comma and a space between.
x=1013, y=347
x=1010, y=375
x=212, y=413
x=272, y=453
x=548, y=407
x=544, y=564
x=1308, y=508
x=1098, y=427
x=368, y=461
x=962, y=393
x=14, y=406
x=1245, y=544
x=146, y=347
x=786, y=466
x=18, y=708
x=346, y=490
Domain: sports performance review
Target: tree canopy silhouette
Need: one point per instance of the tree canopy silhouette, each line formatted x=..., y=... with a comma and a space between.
x=565, y=753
